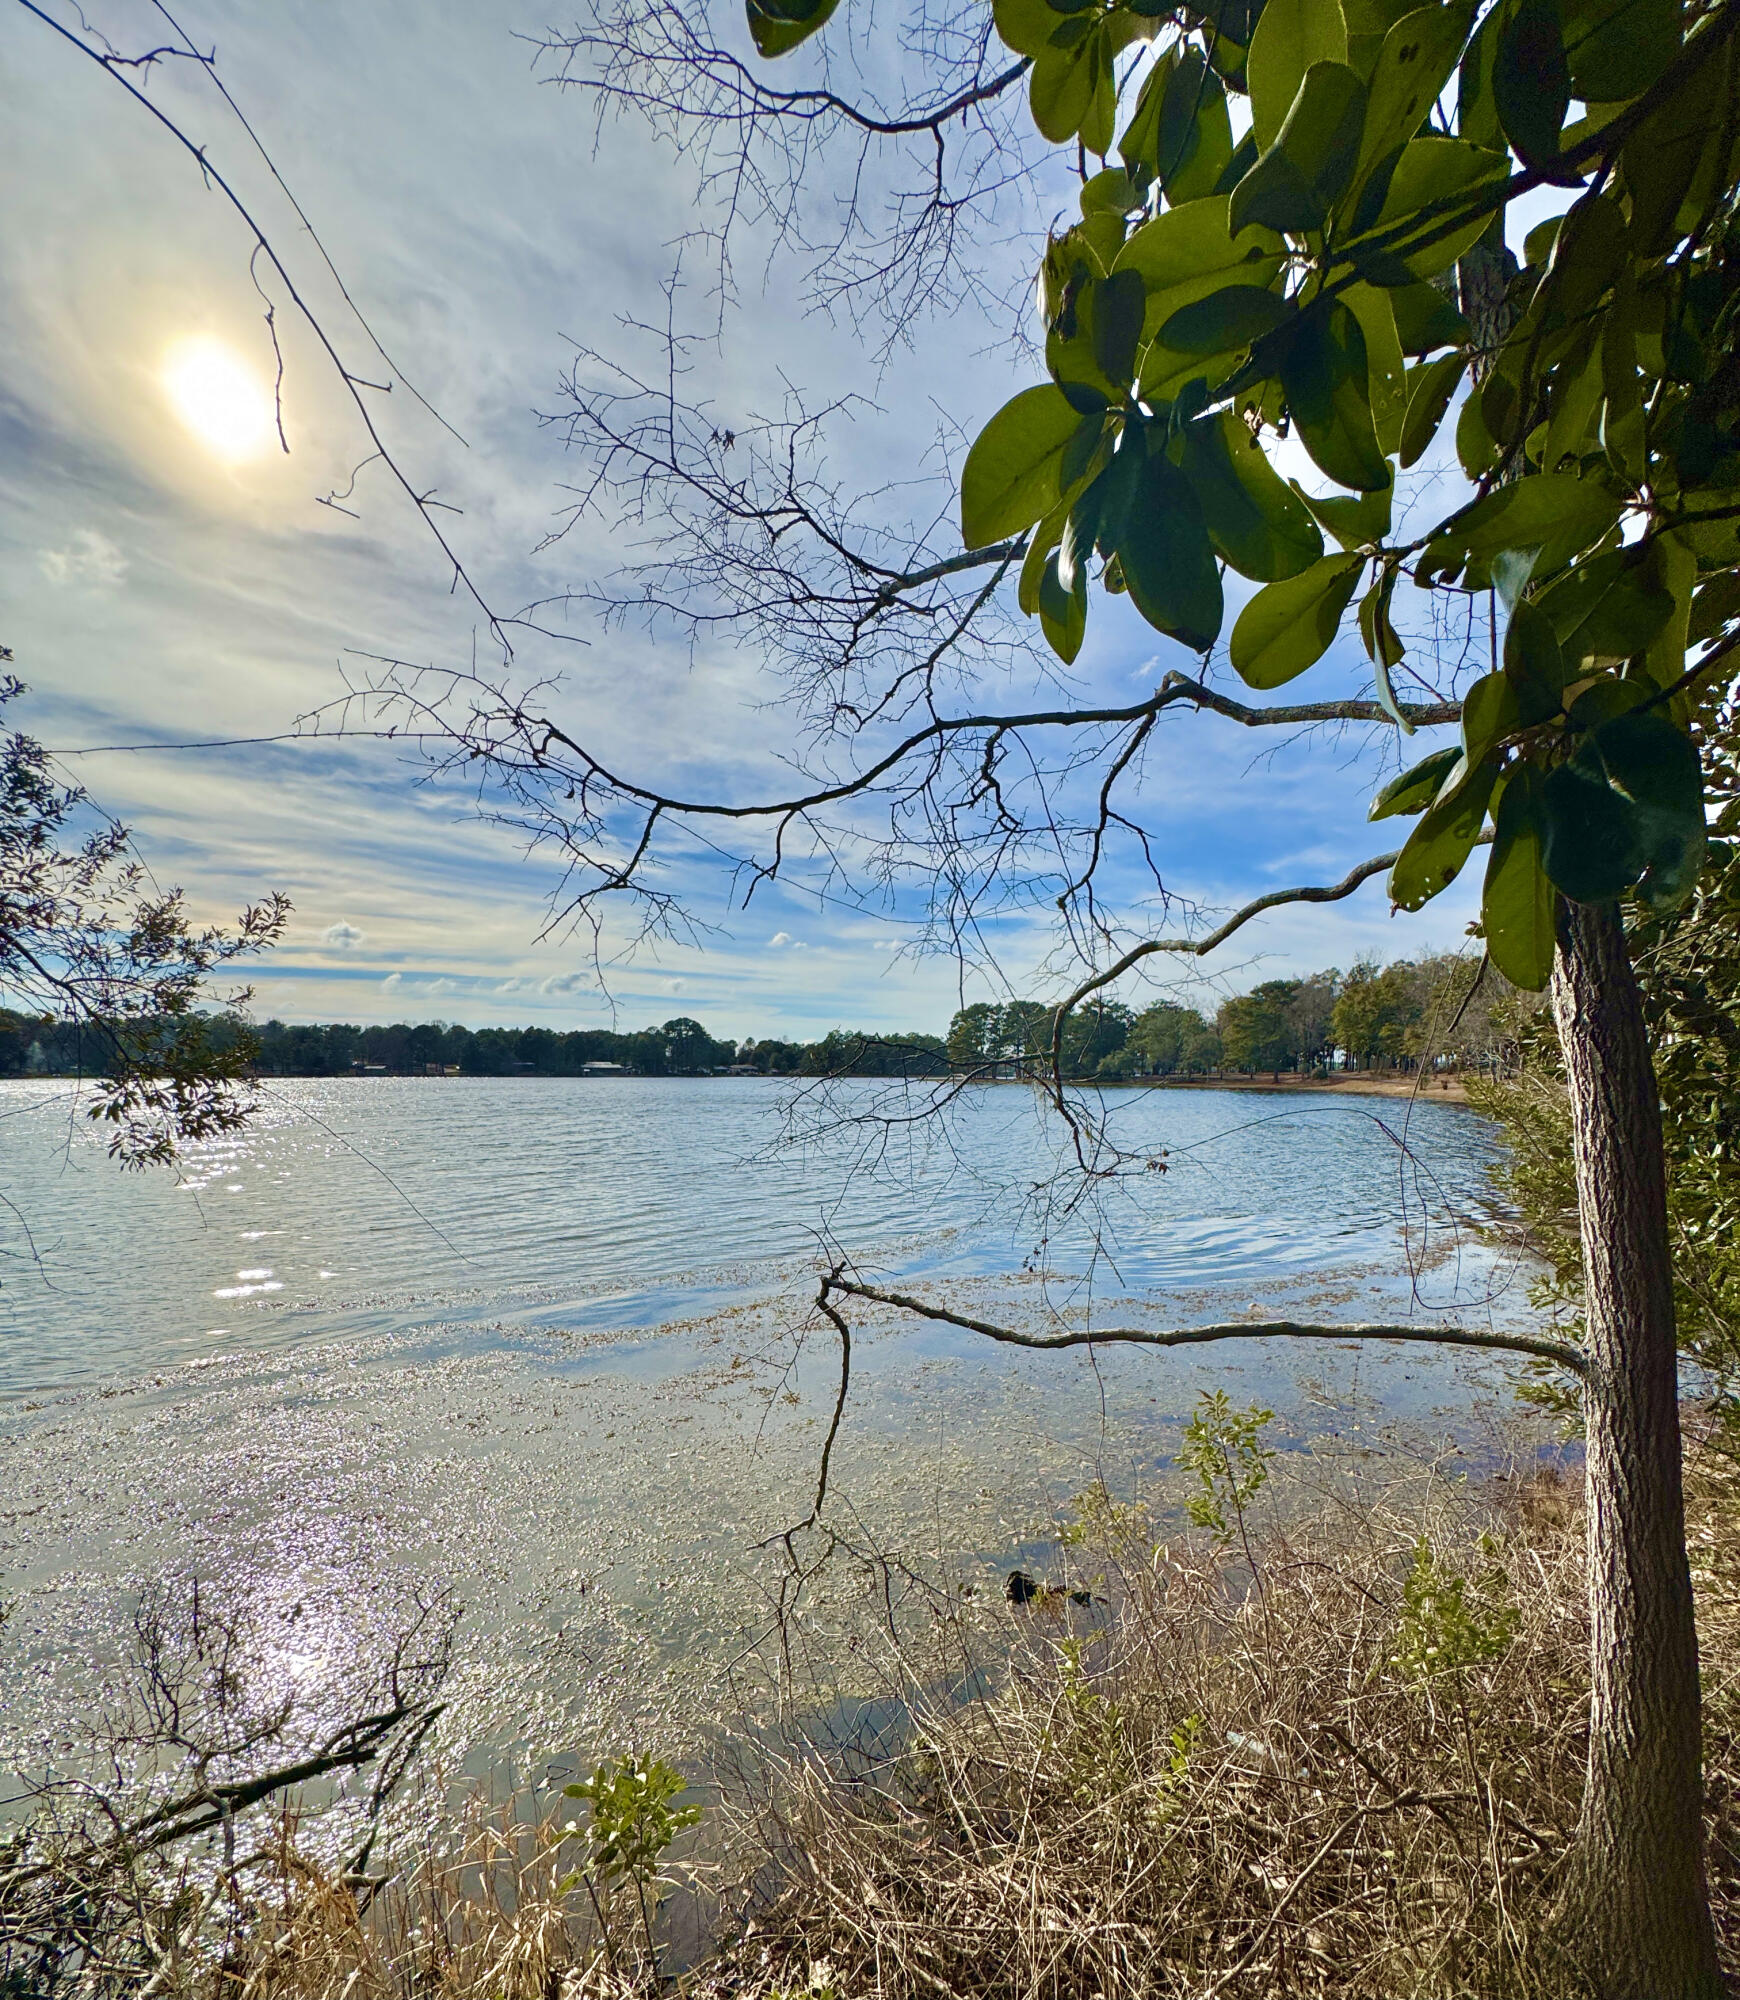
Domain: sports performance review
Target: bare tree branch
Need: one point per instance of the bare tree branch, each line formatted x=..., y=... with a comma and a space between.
x=1560, y=1352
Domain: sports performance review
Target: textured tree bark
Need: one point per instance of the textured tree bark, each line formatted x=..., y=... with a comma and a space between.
x=1636, y=1909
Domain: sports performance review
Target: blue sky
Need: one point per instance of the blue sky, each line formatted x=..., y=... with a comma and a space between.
x=155, y=591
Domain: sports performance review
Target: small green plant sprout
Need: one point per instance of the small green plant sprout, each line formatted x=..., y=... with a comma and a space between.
x=634, y=1819
x=1224, y=1449
x=1445, y=1627
x=1090, y=1733
x=634, y=1816
x=1169, y=1780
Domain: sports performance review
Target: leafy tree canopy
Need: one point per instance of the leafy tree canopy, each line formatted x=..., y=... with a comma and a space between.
x=1219, y=294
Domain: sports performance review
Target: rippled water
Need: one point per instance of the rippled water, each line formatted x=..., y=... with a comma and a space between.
x=548, y=1344
x=365, y=1206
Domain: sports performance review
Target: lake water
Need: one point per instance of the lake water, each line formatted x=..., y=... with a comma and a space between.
x=549, y=1345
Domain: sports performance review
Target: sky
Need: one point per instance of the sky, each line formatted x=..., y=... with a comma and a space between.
x=169, y=574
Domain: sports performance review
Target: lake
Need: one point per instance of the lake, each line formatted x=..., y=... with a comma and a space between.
x=547, y=1345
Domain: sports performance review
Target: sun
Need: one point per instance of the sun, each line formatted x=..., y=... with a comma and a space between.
x=219, y=398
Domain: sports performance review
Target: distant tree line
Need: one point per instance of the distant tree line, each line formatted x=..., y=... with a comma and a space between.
x=1443, y=1009
x=1373, y=1017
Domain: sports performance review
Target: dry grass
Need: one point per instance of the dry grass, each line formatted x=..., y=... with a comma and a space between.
x=1243, y=1788
x=1348, y=1765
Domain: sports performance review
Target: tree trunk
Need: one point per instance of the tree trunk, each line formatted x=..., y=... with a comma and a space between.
x=1637, y=1910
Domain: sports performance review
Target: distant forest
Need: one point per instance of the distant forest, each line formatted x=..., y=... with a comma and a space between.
x=1441, y=1010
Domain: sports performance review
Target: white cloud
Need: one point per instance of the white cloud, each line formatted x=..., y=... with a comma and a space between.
x=91, y=561
x=392, y=980
x=778, y=938
x=441, y=985
x=565, y=982
x=512, y=985
x=343, y=936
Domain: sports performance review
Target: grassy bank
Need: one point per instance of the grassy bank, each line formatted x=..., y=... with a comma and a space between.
x=1328, y=1741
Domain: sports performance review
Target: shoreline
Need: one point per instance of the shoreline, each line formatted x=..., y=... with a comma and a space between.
x=1435, y=1090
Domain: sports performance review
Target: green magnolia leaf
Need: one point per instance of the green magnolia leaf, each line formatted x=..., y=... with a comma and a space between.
x=1139, y=146
x=1555, y=512
x=1359, y=521
x=1118, y=305
x=777, y=26
x=1026, y=26
x=1109, y=192
x=1386, y=371
x=1617, y=48
x=1167, y=560
x=1080, y=529
x=1490, y=712
x=1297, y=181
x=1085, y=454
x=1224, y=321
x=1531, y=81
x=1062, y=610
x=1655, y=765
x=1517, y=904
x=1426, y=319
x=1661, y=159
x=1290, y=36
x=1589, y=252
x=1184, y=255
x=1476, y=106
x=1429, y=174
x=1609, y=606
x=1533, y=663
x=1289, y=626
x=1669, y=571
x=1605, y=697
x=1040, y=544
x=1100, y=119
x=1010, y=479
x=1476, y=450
x=1591, y=844
x=1512, y=570
x=1194, y=130
x=1415, y=789
x=1574, y=403
x=1255, y=523
x=1433, y=855
x=1430, y=387
x=1188, y=252
x=1414, y=64
x=1324, y=377
x=1244, y=157
x=1383, y=645
x=1060, y=91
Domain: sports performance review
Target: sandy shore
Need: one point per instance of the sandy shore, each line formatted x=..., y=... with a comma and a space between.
x=1440, y=1090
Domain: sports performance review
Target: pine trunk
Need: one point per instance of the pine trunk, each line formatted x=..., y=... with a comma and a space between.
x=1637, y=1908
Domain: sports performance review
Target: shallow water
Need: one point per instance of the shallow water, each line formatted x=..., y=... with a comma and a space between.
x=549, y=1345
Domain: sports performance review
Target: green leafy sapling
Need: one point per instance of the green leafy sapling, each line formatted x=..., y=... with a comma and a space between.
x=633, y=1820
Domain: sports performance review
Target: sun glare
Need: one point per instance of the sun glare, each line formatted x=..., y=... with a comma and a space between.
x=219, y=398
